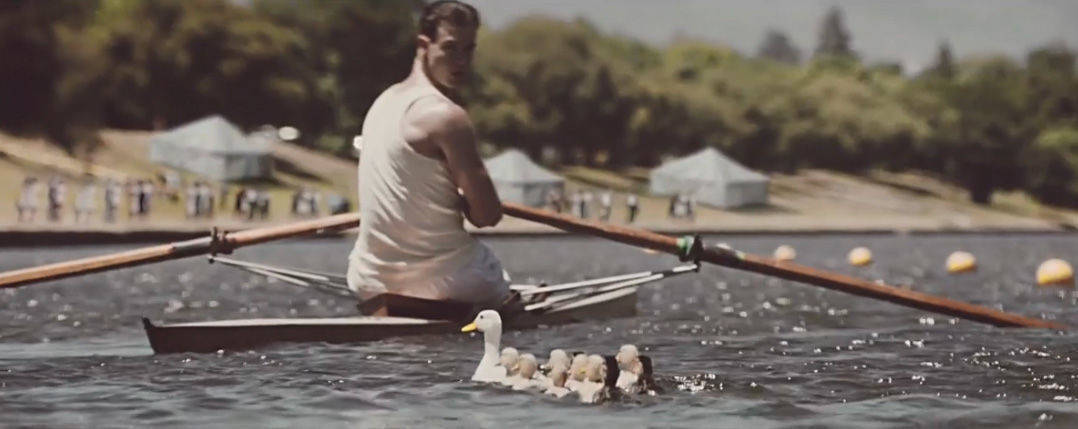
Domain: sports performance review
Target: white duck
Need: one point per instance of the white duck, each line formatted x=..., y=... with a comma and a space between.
x=577, y=371
x=490, y=324
x=630, y=369
x=510, y=358
x=594, y=389
x=556, y=386
x=524, y=379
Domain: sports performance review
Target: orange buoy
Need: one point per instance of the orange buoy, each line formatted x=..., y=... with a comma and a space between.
x=859, y=256
x=961, y=262
x=1055, y=272
x=785, y=253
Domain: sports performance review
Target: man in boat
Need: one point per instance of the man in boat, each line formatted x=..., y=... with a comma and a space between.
x=420, y=174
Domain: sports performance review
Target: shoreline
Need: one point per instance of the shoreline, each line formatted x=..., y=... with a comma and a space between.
x=59, y=237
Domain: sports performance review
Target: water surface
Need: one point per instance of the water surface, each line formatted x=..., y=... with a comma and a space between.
x=733, y=349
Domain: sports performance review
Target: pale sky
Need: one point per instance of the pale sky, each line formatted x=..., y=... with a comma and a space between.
x=907, y=31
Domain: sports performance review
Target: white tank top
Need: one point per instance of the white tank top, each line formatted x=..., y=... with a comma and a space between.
x=411, y=229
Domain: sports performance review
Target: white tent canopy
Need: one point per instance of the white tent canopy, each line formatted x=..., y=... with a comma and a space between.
x=215, y=148
x=711, y=178
x=519, y=179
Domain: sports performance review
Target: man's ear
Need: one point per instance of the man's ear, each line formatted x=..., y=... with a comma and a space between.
x=422, y=42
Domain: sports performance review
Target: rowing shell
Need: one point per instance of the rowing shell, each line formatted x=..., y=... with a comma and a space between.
x=389, y=315
x=247, y=334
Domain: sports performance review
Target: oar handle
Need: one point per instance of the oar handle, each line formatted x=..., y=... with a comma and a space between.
x=787, y=270
x=220, y=243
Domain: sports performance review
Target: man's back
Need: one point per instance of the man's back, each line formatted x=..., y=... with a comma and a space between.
x=412, y=228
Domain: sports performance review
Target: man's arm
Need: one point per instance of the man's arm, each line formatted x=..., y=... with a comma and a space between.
x=444, y=127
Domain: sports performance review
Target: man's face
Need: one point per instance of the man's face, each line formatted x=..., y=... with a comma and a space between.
x=448, y=58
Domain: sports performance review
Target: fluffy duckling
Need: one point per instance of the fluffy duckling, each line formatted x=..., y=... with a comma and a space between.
x=557, y=377
x=630, y=370
x=576, y=373
x=524, y=379
x=594, y=388
x=490, y=324
x=558, y=357
x=510, y=357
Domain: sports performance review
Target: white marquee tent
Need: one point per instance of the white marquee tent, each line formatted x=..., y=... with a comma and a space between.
x=711, y=178
x=519, y=179
x=215, y=148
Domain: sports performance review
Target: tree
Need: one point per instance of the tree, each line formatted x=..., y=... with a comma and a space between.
x=47, y=74
x=1053, y=166
x=944, y=66
x=776, y=46
x=834, y=38
x=991, y=131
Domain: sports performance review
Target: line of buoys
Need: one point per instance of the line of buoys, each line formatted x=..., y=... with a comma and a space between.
x=1055, y=272
x=859, y=256
x=961, y=262
x=785, y=253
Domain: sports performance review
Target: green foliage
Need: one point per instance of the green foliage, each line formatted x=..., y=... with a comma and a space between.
x=834, y=37
x=543, y=85
x=1053, y=166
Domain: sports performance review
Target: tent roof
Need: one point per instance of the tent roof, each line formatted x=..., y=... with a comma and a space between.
x=515, y=167
x=212, y=134
x=708, y=165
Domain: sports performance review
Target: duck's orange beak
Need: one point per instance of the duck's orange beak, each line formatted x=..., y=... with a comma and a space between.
x=469, y=327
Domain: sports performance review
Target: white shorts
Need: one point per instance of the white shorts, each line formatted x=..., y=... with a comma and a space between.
x=481, y=281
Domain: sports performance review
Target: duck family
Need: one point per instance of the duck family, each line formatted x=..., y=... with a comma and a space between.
x=591, y=378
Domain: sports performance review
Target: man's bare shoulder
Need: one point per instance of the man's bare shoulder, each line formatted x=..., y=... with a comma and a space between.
x=435, y=116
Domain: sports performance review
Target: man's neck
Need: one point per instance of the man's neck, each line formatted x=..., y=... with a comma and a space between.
x=419, y=77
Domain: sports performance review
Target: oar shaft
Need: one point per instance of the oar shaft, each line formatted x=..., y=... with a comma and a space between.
x=182, y=249
x=786, y=270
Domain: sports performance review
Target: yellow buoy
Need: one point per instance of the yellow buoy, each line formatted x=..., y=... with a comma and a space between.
x=785, y=253
x=961, y=262
x=1055, y=272
x=860, y=256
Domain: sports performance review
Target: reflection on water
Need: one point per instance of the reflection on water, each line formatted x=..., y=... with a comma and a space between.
x=730, y=348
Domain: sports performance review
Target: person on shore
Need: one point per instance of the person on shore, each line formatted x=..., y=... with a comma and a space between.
x=191, y=200
x=420, y=175
x=205, y=200
x=112, y=199
x=585, y=202
x=28, y=200
x=574, y=203
x=84, y=203
x=632, y=205
x=145, y=197
x=606, y=201
x=134, y=199
x=550, y=200
x=56, y=195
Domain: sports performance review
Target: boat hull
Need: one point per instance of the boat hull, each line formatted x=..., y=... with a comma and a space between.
x=247, y=334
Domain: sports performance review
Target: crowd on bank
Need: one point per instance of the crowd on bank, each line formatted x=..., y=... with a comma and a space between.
x=583, y=203
x=200, y=199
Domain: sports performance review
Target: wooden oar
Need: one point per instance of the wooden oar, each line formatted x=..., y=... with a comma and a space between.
x=787, y=270
x=221, y=243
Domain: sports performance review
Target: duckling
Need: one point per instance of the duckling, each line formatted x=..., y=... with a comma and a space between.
x=594, y=389
x=525, y=374
x=509, y=359
x=647, y=377
x=557, y=377
x=490, y=324
x=629, y=370
x=576, y=371
x=557, y=357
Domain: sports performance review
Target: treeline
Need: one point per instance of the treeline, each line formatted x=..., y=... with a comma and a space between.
x=563, y=91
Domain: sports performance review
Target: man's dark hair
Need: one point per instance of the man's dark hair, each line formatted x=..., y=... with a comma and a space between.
x=451, y=11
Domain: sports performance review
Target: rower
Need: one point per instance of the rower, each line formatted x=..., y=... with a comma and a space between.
x=420, y=175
